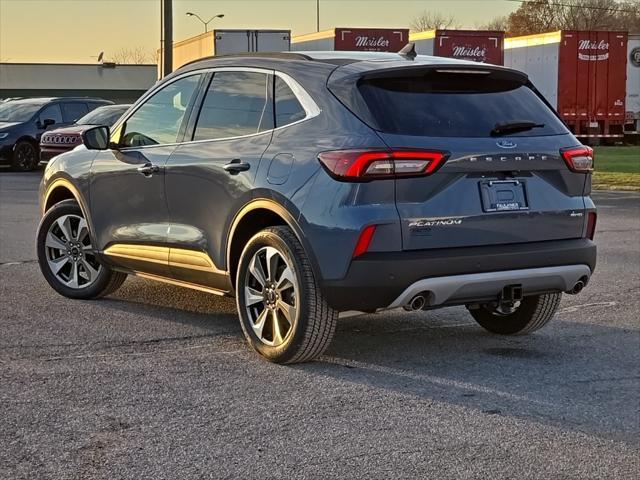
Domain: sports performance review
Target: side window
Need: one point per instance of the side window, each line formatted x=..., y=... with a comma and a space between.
x=51, y=111
x=72, y=111
x=92, y=106
x=288, y=108
x=235, y=105
x=158, y=120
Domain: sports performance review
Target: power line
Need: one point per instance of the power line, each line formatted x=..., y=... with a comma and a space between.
x=586, y=7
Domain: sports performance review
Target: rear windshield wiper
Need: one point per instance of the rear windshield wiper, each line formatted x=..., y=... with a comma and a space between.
x=513, y=127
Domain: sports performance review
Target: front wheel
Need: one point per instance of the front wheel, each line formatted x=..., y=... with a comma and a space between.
x=25, y=156
x=532, y=314
x=283, y=313
x=67, y=258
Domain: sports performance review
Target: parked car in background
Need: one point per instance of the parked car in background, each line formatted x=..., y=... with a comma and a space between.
x=308, y=185
x=64, y=139
x=23, y=121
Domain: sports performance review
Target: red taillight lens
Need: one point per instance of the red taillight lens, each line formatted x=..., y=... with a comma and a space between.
x=364, y=241
x=578, y=159
x=362, y=165
x=591, y=225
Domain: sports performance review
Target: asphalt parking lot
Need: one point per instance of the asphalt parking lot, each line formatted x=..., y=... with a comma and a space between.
x=156, y=381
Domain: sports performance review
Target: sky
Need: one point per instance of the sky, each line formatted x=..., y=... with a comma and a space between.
x=75, y=31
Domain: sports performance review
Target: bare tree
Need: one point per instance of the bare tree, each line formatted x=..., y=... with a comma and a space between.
x=535, y=16
x=433, y=20
x=135, y=55
x=499, y=23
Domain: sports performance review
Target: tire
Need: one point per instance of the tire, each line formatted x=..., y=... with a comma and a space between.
x=79, y=274
x=25, y=156
x=532, y=314
x=306, y=331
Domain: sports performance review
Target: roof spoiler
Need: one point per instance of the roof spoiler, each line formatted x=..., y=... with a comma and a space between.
x=408, y=51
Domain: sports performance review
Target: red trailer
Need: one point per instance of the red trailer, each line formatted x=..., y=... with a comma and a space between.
x=582, y=74
x=358, y=39
x=476, y=45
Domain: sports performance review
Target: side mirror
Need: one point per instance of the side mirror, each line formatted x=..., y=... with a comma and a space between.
x=96, y=138
x=47, y=122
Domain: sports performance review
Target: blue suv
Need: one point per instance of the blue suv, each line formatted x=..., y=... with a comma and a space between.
x=316, y=185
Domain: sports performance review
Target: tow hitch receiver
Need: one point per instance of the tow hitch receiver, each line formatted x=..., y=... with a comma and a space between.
x=509, y=296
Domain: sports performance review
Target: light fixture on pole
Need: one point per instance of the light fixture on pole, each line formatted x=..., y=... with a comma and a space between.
x=206, y=24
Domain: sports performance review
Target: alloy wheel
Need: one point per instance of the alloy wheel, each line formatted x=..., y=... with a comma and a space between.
x=271, y=296
x=25, y=157
x=69, y=252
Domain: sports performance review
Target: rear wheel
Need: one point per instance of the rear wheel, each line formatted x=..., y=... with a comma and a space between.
x=25, y=156
x=67, y=258
x=532, y=314
x=283, y=313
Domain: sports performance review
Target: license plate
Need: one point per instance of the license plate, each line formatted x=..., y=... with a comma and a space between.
x=503, y=195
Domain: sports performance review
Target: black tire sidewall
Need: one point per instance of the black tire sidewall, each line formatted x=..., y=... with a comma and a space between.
x=68, y=207
x=511, y=324
x=286, y=351
x=21, y=145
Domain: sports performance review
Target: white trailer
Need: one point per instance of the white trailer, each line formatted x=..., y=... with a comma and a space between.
x=227, y=42
x=632, y=120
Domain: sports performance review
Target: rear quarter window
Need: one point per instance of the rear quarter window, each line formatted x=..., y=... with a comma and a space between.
x=288, y=108
x=72, y=111
x=454, y=105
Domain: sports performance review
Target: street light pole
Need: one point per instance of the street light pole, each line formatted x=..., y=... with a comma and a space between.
x=317, y=15
x=167, y=29
x=206, y=24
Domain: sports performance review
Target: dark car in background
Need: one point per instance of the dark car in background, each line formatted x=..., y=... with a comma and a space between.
x=63, y=139
x=23, y=121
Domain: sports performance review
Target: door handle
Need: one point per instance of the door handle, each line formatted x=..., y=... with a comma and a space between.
x=236, y=166
x=148, y=169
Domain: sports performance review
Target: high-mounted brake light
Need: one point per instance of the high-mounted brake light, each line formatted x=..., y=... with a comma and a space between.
x=578, y=159
x=363, y=165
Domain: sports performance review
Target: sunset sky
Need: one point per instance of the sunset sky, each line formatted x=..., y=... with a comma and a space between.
x=76, y=30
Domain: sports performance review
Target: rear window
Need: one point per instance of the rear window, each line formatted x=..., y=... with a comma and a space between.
x=455, y=105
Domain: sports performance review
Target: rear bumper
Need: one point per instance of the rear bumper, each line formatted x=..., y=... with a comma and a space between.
x=475, y=287
x=379, y=280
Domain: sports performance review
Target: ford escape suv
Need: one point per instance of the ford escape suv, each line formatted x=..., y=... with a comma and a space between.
x=309, y=186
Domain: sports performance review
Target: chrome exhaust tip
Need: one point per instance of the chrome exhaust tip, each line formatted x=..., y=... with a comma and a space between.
x=416, y=303
x=577, y=288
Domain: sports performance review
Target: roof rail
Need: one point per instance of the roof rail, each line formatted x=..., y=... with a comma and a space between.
x=282, y=55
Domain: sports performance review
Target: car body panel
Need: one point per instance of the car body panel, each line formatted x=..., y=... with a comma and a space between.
x=445, y=209
x=136, y=203
x=198, y=167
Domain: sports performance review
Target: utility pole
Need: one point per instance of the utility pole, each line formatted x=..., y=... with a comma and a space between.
x=317, y=15
x=167, y=29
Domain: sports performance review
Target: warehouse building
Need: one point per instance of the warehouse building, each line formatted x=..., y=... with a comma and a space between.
x=119, y=83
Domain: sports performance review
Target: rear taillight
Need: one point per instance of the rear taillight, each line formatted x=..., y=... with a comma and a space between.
x=591, y=225
x=578, y=159
x=363, y=165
